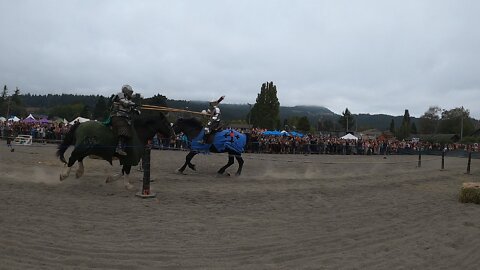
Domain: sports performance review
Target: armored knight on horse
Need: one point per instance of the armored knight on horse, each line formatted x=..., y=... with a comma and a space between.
x=121, y=112
x=214, y=121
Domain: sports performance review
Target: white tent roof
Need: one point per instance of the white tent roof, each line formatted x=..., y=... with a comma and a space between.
x=3, y=119
x=349, y=137
x=14, y=119
x=31, y=117
x=79, y=119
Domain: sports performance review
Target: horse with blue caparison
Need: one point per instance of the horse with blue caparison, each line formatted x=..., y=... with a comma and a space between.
x=229, y=141
x=97, y=139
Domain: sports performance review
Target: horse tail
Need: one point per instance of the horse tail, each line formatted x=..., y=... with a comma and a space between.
x=68, y=140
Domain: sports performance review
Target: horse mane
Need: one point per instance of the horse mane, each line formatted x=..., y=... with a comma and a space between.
x=193, y=122
x=145, y=120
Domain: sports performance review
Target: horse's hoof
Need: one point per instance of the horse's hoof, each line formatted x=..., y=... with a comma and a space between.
x=108, y=179
x=180, y=172
x=62, y=177
x=129, y=186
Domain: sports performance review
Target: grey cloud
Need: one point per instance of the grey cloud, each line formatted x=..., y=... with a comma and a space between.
x=369, y=56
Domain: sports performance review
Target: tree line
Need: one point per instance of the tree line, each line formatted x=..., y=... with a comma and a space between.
x=265, y=113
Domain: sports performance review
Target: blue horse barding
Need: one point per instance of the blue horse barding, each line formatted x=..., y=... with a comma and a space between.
x=229, y=141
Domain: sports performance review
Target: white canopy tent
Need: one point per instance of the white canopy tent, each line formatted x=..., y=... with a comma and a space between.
x=349, y=137
x=79, y=119
x=14, y=119
x=30, y=116
x=3, y=119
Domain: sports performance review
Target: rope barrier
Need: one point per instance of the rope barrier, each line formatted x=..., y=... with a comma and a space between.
x=54, y=143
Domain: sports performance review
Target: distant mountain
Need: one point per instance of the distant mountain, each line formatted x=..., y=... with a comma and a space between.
x=380, y=121
x=229, y=111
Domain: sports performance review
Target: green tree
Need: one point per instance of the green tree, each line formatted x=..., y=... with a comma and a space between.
x=456, y=121
x=16, y=97
x=100, y=112
x=325, y=124
x=413, y=128
x=303, y=124
x=392, y=126
x=86, y=112
x=4, y=93
x=429, y=120
x=404, y=130
x=157, y=100
x=346, y=120
x=265, y=112
x=68, y=112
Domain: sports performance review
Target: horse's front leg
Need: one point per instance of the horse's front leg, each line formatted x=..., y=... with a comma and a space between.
x=68, y=168
x=126, y=177
x=230, y=162
x=65, y=173
x=80, y=169
x=188, y=163
x=240, y=164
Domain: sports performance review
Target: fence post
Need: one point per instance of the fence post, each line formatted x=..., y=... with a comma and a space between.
x=419, y=158
x=146, y=192
x=469, y=161
x=443, y=159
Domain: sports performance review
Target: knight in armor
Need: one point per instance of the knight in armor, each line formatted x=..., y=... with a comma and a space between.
x=214, y=121
x=122, y=110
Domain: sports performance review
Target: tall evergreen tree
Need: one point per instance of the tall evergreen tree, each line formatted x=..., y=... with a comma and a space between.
x=303, y=124
x=100, y=111
x=404, y=130
x=346, y=120
x=4, y=93
x=265, y=112
x=86, y=112
x=16, y=97
x=392, y=126
x=413, y=129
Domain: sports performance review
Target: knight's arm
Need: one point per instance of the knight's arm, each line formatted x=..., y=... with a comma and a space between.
x=126, y=103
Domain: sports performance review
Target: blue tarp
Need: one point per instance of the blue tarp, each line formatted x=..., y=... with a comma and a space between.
x=279, y=133
x=224, y=140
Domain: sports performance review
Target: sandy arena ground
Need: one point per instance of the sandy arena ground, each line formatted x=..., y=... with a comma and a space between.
x=285, y=212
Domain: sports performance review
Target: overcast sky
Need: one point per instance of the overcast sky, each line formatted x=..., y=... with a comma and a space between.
x=370, y=56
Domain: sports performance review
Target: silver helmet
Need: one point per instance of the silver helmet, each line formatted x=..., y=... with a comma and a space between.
x=127, y=90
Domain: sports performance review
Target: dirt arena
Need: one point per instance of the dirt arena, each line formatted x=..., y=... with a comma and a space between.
x=285, y=212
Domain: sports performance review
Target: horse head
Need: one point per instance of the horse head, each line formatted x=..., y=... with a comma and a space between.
x=152, y=125
x=188, y=126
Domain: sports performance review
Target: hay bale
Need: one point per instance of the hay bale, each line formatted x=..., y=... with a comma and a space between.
x=470, y=193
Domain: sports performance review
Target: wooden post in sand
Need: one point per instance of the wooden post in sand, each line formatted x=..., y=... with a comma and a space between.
x=443, y=159
x=469, y=161
x=146, y=192
x=419, y=159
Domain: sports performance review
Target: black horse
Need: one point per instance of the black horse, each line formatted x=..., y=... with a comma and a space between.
x=97, y=139
x=229, y=141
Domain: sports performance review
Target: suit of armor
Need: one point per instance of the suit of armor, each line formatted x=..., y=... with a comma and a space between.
x=122, y=109
x=214, y=121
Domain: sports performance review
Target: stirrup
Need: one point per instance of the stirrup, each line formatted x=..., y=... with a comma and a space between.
x=121, y=152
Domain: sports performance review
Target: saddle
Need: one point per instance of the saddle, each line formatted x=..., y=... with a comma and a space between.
x=210, y=137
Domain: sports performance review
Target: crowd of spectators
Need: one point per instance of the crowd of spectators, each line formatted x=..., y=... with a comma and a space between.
x=260, y=143
x=52, y=131
x=328, y=144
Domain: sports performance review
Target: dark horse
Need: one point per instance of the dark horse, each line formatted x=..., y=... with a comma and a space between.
x=230, y=141
x=97, y=139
